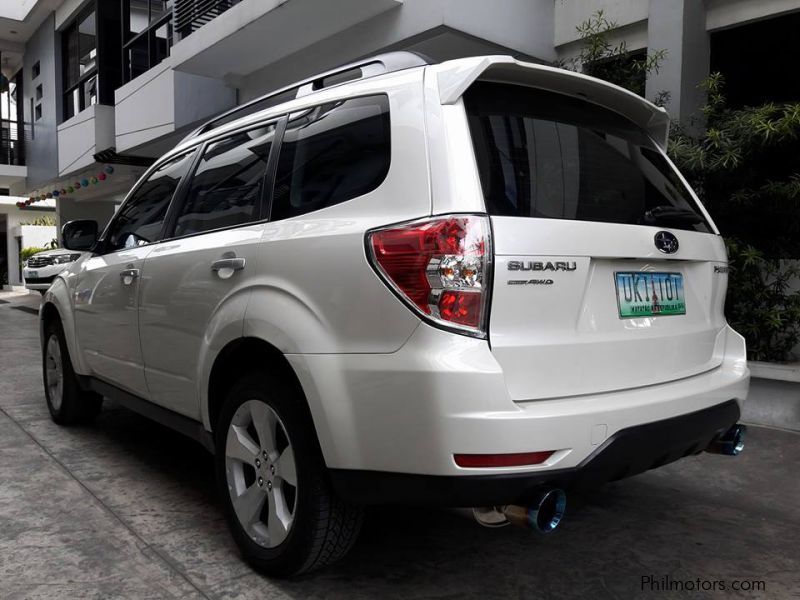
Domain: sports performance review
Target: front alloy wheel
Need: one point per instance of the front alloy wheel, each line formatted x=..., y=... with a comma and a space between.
x=53, y=372
x=67, y=402
x=261, y=473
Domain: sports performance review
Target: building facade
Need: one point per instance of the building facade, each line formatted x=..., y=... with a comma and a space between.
x=93, y=90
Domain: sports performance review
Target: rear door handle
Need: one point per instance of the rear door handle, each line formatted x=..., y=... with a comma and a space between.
x=128, y=276
x=225, y=267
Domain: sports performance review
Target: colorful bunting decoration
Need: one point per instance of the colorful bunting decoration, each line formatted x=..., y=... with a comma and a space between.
x=101, y=176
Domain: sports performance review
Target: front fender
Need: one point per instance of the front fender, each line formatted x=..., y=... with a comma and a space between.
x=59, y=296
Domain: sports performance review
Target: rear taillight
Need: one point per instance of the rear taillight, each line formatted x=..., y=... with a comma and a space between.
x=439, y=267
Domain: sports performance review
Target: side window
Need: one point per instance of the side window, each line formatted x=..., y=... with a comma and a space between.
x=336, y=153
x=140, y=219
x=226, y=189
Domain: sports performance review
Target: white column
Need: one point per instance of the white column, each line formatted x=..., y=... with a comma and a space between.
x=679, y=27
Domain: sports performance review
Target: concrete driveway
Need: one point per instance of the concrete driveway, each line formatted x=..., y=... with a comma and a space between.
x=126, y=509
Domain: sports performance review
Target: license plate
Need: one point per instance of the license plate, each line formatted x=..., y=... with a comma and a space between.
x=33, y=274
x=643, y=294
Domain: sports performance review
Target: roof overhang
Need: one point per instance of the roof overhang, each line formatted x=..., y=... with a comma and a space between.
x=255, y=33
x=11, y=175
x=18, y=10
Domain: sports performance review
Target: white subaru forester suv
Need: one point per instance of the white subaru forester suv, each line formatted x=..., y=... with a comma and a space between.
x=470, y=284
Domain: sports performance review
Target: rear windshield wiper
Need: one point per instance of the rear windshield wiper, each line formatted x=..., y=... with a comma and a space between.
x=671, y=214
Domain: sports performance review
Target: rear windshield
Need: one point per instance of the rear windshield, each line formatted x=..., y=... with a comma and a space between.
x=545, y=155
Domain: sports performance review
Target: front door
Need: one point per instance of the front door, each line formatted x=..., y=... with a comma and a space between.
x=106, y=317
x=108, y=285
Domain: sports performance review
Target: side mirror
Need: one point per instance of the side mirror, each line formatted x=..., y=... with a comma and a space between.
x=79, y=235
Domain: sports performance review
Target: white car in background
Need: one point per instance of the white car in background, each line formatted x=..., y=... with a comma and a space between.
x=41, y=269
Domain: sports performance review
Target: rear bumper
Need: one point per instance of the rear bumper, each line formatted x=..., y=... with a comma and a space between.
x=407, y=414
x=628, y=452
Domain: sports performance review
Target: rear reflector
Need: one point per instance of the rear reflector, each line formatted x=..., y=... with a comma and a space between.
x=502, y=460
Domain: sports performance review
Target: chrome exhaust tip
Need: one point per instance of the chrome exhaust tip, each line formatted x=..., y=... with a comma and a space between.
x=730, y=443
x=544, y=515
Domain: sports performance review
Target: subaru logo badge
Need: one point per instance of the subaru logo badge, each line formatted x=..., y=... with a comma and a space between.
x=666, y=242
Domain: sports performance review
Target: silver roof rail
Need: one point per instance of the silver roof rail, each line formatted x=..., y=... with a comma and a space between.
x=362, y=69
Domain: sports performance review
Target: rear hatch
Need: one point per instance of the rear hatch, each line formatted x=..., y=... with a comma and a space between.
x=608, y=275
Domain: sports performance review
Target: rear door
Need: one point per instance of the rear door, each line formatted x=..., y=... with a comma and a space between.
x=195, y=282
x=607, y=275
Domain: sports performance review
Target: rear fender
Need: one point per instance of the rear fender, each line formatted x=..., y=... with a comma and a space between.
x=225, y=326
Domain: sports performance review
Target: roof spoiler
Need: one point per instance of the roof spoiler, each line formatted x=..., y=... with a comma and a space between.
x=455, y=77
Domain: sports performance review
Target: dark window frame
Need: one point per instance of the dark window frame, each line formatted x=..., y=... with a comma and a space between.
x=92, y=73
x=267, y=185
x=149, y=34
x=102, y=244
x=179, y=201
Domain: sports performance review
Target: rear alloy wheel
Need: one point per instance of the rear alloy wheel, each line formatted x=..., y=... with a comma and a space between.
x=66, y=401
x=261, y=473
x=280, y=507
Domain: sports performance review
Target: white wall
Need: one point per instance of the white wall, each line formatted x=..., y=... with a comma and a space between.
x=256, y=32
x=38, y=236
x=634, y=36
x=84, y=135
x=726, y=13
x=162, y=101
x=570, y=13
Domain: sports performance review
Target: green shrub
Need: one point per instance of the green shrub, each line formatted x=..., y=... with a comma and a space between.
x=43, y=221
x=746, y=169
x=600, y=58
x=761, y=304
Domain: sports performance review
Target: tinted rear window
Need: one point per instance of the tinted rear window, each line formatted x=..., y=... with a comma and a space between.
x=335, y=153
x=545, y=155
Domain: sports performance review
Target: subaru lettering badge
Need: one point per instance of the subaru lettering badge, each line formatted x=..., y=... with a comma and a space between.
x=666, y=242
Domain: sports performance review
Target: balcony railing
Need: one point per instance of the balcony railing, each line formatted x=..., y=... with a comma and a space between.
x=12, y=142
x=191, y=15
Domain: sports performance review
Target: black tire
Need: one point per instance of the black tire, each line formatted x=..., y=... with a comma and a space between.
x=324, y=528
x=75, y=405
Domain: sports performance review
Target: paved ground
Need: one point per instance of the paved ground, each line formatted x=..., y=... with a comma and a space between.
x=126, y=509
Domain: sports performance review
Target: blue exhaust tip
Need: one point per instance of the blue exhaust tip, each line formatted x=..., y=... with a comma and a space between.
x=730, y=443
x=547, y=514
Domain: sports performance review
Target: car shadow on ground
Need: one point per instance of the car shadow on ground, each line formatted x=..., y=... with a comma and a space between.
x=677, y=521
